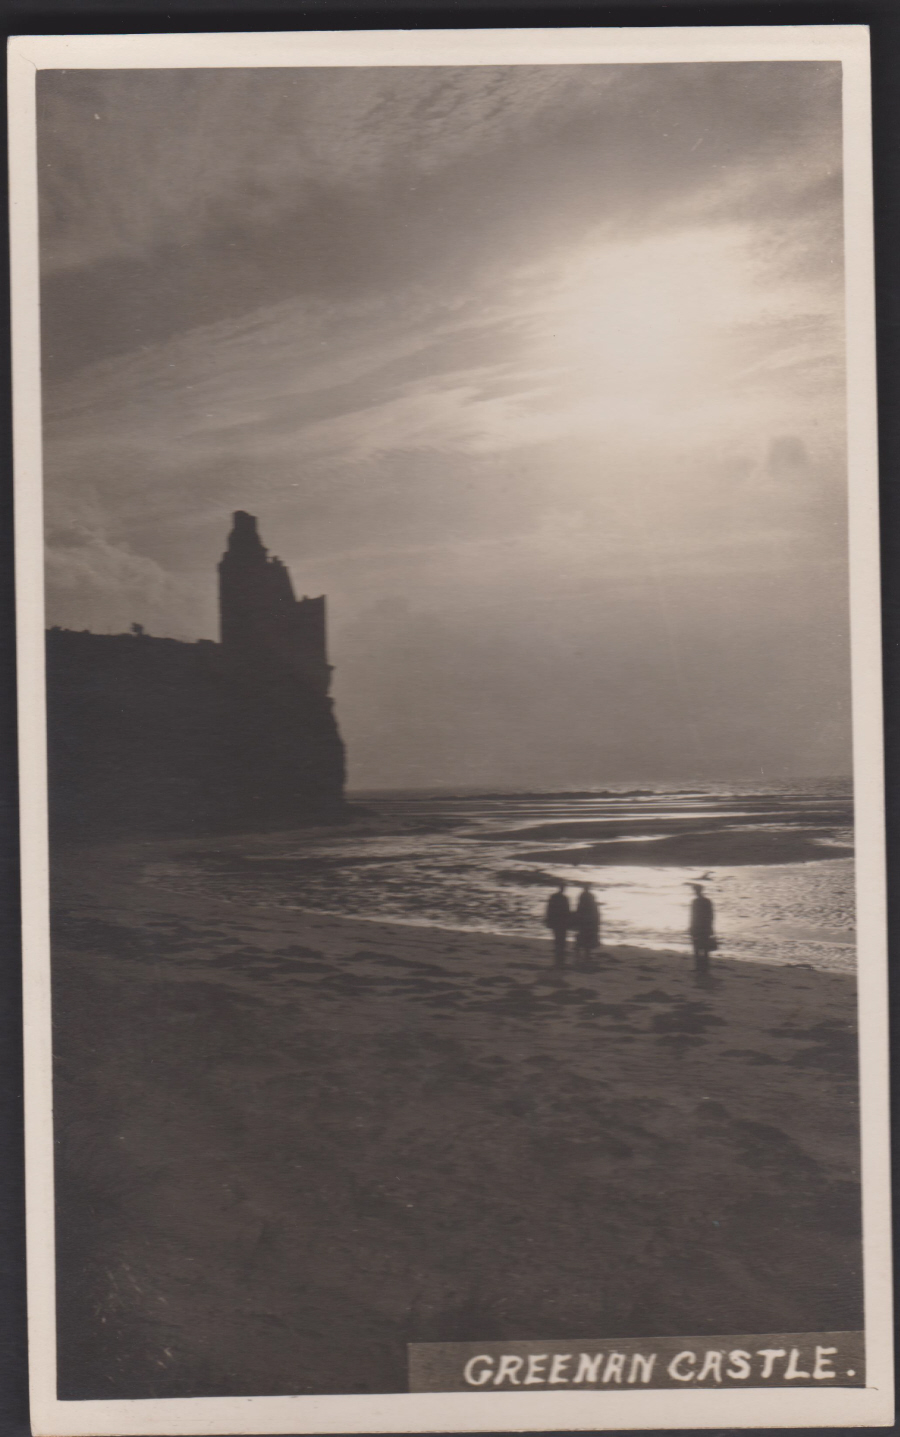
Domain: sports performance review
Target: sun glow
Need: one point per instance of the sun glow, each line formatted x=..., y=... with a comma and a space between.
x=656, y=310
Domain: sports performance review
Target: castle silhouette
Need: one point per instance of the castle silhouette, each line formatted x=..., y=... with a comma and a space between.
x=152, y=736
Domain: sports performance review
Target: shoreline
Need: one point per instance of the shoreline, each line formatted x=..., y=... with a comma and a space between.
x=289, y=1144
x=682, y=953
x=273, y=873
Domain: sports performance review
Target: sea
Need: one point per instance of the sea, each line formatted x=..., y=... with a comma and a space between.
x=776, y=858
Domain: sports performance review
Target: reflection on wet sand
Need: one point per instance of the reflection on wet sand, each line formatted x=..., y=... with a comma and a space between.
x=781, y=862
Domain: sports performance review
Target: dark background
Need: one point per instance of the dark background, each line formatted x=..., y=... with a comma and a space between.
x=139, y=16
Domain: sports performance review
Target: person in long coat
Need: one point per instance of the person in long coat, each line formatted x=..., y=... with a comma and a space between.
x=558, y=919
x=702, y=929
x=587, y=923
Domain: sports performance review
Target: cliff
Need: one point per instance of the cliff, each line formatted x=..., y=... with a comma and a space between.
x=151, y=735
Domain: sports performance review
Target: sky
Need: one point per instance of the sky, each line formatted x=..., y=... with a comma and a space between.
x=535, y=371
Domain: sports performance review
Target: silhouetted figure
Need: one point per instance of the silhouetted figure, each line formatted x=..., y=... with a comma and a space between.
x=702, y=930
x=587, y=924
x=558, y=919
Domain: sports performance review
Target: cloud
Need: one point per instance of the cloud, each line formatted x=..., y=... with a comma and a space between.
x=101, y=585
x=606, y=371
x=787, y=458
x=199, y=195
x=205, y=142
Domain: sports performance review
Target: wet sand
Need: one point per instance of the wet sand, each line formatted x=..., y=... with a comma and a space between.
x=289, y=1144
x=712, y=848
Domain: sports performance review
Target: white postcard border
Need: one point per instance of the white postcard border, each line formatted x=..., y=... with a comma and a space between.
x=457, y=1412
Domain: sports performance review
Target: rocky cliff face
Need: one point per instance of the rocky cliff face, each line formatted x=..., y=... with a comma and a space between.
x=153, y=736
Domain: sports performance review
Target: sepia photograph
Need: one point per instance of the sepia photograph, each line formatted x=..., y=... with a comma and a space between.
x=452, y=546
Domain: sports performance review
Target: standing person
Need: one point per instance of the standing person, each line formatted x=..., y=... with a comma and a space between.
x=587, y=923
x=558, y=919
x=702, y=930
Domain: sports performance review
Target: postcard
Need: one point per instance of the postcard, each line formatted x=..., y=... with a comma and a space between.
x=449, y=646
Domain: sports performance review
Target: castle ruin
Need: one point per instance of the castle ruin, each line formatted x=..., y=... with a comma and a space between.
x=262, y=624
x=156, y=736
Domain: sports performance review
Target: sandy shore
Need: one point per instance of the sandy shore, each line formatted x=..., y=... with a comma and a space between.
x=289, y=1144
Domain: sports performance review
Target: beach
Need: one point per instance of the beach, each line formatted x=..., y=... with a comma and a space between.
x=290, y=1143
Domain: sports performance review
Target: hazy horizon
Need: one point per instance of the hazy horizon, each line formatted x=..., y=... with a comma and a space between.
x=479, y=790
x=536, y=372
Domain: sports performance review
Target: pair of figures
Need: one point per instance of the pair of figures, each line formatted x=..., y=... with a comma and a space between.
x=583, y=920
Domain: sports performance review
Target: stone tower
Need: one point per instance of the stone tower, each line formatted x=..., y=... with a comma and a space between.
x=262, y=624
